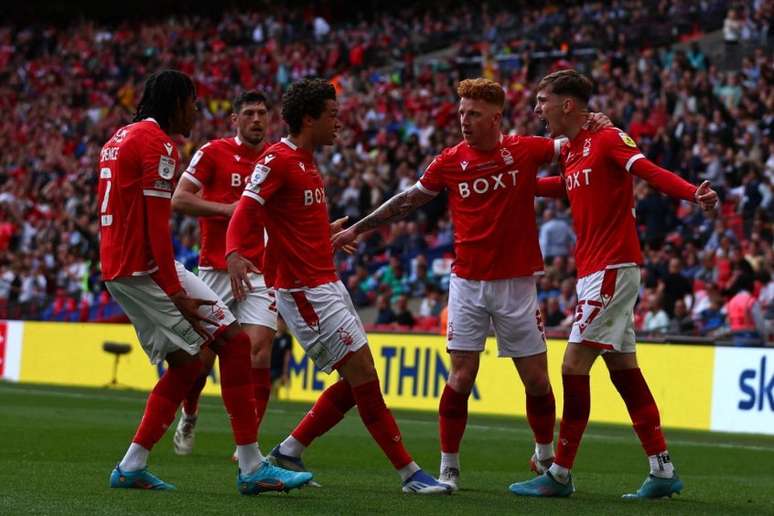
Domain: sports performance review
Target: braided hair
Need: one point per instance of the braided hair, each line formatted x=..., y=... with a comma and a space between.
x=164, y=93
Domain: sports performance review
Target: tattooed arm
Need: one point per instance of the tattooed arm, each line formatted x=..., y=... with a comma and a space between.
x=393, y=209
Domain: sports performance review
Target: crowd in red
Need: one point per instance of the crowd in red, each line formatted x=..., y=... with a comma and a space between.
x=65, y=89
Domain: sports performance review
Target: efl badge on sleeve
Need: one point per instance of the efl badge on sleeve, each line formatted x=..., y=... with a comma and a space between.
x=627, y=140
x=166, y=167
x=259, y=174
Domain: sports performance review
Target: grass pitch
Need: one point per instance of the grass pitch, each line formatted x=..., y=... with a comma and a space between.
x=58, y=446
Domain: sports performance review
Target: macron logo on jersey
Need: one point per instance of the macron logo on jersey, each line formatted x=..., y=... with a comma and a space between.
x=237, y=158
x=300, y=164
x=464, y=165
x=168, y=147
x=268, y=159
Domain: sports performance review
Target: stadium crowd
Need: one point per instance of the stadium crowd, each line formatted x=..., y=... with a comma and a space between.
x=66, y=89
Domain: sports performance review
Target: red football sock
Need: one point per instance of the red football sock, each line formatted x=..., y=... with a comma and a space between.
x=541, y=414
x=380, y=423
x=163, y=402
x=575, y=417
x=261, y=389
x=642, y=408
x=326, y=413
x=191, y=401
x=452, y=418
x=237, y=389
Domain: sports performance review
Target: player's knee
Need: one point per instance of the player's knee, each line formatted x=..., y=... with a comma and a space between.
x=537, y=384
x=462, y=379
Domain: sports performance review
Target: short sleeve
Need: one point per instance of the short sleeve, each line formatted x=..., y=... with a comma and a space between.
x=543, y=150
x=431, y=181
x=159, y=164
x=267, y=177
x=621, y=148
x=201, y=169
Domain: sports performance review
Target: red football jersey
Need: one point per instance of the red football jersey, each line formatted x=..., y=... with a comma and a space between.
x=287, y=183
x=491, y=201
x=601, y=192
x=221, y=169
x=138, y=162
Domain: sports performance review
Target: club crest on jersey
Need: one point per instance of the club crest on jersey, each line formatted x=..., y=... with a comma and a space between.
x=586, y=147
x=506, y=155
x=268, y=159
x=464, y=165
x=168, y=147
x=628, y=140
x=166, y=167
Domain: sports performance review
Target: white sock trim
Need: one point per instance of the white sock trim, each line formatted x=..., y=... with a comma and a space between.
x=249, y=457
x=136, y=458
x=544, y=451
x=406, y=471
x=560, y=473
x=450, y=460
x=291, y=446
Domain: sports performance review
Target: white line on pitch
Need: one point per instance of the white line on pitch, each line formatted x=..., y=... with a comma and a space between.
x=403, y=420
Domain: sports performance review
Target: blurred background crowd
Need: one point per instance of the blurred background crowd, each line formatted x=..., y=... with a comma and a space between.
x=697, y=94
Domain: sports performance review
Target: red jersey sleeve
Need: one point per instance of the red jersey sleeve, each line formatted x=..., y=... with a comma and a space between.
x=247, y=216
x=621, y=149
x=201, y=169
x=159, y=162
x=431, y=181
x=552, y=186
x=268, y=176
x=664, y=180
x=543, y=150
x=624, y=153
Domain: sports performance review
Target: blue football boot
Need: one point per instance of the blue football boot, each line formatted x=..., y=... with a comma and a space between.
x=657, y=487
x=141, y=479
x=544, y=485
x=422, y=483
x=269, y=477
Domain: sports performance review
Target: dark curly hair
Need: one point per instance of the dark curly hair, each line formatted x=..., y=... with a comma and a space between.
x=164, y=93
x=305, y=97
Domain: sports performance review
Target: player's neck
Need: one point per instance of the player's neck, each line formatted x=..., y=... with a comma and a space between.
x=575, y=125
x=302, y=141
x=490, y=144
x=242, y=141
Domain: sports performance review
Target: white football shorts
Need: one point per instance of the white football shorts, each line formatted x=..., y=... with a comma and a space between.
x=259, y=307
x=510, y=304
x=160, y=326
x=324, y=321
x=604, y=317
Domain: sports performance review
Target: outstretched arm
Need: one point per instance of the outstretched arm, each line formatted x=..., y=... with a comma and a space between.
x=393, y=209
x=672, y=184
x=552, y=186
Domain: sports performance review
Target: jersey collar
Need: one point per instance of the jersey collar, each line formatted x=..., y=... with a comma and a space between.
x=290, y=144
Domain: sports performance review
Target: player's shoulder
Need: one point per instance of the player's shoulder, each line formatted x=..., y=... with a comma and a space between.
x=278, y=152
x=520, y=140
x=450, y=154
x=614, y=135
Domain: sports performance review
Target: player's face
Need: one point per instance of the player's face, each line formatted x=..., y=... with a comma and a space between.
x=551, y=110
x=327, y=126
x=251, y=122
x=480, y=122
